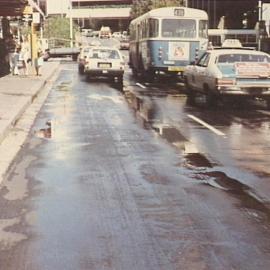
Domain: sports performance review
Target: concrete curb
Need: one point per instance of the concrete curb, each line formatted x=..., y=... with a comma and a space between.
x=36, y=88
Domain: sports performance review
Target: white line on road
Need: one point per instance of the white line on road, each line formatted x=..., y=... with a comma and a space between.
x=216, y=131
x=139, y=84
x=263, y=112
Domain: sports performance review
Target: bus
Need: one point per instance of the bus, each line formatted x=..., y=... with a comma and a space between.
x=165, y=40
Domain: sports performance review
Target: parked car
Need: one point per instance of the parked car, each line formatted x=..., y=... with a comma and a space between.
x=124, y=44
x=82, y=57
x=229, y=72
x=105, y=62
x=116, y=35
x=94, y=34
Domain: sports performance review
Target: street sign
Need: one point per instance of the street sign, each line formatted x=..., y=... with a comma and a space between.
x=36, y=17
x=27, y=10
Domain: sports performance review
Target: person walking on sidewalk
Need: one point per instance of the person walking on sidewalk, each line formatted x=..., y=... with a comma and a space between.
x=25, y=56
x=39, y=63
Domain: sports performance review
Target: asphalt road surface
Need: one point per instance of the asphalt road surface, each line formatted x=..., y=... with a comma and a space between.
x=99, y=185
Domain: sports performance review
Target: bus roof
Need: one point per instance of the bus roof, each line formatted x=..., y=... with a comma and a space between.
x=173, y=12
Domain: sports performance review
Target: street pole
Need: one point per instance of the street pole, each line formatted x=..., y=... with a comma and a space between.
x=70, y=24
x=260, y=19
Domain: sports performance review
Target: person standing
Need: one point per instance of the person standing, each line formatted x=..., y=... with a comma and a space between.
x=11, y=49
x=25, y=56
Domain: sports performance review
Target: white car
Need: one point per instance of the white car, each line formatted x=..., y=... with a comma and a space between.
x=82, y=57
x=117, y=35
x=235, y=73
x=105, y=62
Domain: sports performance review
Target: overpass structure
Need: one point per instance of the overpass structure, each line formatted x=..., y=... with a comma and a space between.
x=95, y=13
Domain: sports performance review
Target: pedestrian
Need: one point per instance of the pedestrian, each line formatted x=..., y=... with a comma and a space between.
x=15, y=61
x=39, y=63
x=25, y=56
x=10, y=45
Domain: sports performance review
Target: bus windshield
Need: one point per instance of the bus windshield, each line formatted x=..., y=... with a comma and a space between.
x=178, y=28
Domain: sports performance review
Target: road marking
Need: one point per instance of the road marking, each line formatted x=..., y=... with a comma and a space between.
x=263, y=112
x=216, y=131
x=139, y=84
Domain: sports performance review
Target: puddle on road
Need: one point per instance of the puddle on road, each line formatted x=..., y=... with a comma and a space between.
x=248, y=200
x=45, y=133
x=195, y=160
x=64, y=86
x=197, y=163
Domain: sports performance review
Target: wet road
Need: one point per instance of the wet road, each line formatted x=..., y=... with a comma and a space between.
x=96, y=188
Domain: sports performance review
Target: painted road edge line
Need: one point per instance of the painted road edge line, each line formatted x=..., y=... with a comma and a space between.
x=263, y=112
x=216, y=131
x=139, y=84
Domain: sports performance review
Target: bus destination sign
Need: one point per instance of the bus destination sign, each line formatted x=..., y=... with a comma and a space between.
x=179, y=12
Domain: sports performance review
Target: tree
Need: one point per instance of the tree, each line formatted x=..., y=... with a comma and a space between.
x=58, y=28
x=142, y=6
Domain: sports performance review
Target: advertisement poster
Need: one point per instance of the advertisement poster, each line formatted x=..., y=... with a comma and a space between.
x=178, y=51
x=249, y=69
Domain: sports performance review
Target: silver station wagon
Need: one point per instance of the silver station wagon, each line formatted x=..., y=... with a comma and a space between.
x=234, y=73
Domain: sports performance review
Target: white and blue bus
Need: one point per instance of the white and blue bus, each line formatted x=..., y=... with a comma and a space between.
x=166, y=40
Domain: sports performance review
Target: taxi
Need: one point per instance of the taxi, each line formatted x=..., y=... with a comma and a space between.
x=105, y=62
x=236, y=72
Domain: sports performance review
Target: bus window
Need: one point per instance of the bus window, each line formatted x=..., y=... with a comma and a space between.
x=179, y=28
x=203, y=29
x=153, y=27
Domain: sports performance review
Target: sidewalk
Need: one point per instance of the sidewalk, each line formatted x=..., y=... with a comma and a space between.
x=18, y=92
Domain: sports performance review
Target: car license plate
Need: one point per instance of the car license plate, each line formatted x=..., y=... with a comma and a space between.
x=104, y=65
x=104, y=71
x=176, y=69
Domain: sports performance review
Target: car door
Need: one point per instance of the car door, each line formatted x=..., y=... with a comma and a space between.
x=200, y=78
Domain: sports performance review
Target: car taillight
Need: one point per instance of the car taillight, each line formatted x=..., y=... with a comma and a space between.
x=160, y=53
x=225, y=81
x=196, y=54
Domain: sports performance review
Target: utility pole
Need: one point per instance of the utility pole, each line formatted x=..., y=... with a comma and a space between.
x=260, y=20
x=70, y=23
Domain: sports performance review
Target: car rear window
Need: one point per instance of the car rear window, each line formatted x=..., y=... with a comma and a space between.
x=237, y=57
x=104, y=54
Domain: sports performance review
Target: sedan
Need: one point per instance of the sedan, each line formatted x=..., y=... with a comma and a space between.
x=82, y=57
x=235, y=73
x=105, y=62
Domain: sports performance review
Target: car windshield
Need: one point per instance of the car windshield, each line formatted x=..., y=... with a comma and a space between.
x=185, y=28
x=104, y=54
x=237, y=57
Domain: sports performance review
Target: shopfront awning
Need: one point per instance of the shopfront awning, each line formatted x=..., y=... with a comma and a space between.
x=12, y=7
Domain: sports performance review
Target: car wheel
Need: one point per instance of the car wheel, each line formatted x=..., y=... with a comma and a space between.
x=211, y=99
x=120, y=80
x=74, y=57
x=134, y=72
x=81, y=70
x=268, y=104
x=189, y=92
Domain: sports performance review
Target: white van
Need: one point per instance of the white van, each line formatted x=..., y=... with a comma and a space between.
x=105, y=32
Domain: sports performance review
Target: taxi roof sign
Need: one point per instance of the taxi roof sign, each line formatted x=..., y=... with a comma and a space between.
x=231, y=43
